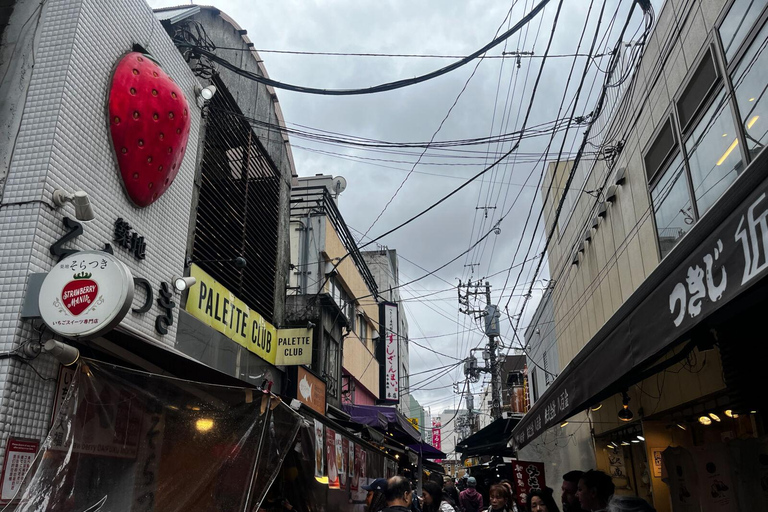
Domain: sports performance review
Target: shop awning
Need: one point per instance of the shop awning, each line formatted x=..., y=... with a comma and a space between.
x=427, y=451
x=395, y=423
x=490, y=440
x=433, y=467
x=721, y=259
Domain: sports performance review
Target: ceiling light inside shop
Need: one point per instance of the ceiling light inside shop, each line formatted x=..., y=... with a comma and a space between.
x=752, y=121
x=751, y=99
x=680, y=426
x=728, y=151
x=597, y=407
x=563, y=424
x=635, y=440
x=714, y=417
x=624, y=443
x=204, y=424
x=704, y=420
x=625, y=414
x=641, y=438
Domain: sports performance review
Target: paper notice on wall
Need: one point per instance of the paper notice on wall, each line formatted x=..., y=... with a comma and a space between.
x=330, y=457
x=319, y=447
x=19, y=455
x=341, y=461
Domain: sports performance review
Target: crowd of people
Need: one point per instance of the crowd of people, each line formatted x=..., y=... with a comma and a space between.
x=590, y=491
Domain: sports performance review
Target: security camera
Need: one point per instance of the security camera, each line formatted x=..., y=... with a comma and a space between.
x=80, y=200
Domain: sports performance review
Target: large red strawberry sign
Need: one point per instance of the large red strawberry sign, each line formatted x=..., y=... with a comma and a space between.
x=149, y=124
x=79, y=293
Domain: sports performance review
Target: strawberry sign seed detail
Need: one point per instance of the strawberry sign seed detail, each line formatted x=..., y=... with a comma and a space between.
x=149, y=147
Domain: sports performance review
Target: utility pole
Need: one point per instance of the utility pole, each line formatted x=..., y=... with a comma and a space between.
x=491, y=315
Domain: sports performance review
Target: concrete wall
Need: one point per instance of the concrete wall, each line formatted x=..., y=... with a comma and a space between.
x=62, y=141
x=257, y=101
x=541, y=338
x=624, y=249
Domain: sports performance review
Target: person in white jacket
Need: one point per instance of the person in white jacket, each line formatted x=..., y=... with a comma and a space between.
x=434, y=500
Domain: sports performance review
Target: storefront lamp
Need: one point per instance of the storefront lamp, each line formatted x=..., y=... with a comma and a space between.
x=182, y=283
x=205, y=92
x=704, y=420
x=597, y=407
x=714, y=417
x=65, y=354
x=563, y=424
x=625, y=414
x=204, y=424
x=729, y=413
x=79, y=199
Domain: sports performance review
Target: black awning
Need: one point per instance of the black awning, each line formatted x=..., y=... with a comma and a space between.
x=491, y=440
x=722, y=256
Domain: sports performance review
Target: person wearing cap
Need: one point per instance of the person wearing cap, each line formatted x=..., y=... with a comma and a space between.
x=375, y=499
x=469, y=499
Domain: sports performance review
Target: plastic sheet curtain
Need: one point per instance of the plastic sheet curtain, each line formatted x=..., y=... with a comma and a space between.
x=130, y=441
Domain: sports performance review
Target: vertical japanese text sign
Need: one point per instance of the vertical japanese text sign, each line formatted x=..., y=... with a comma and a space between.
x=388, y=354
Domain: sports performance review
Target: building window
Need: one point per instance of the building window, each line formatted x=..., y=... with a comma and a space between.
x=750, y=83
x=534, y=387
x=545, y=367
x=714, y=157
x=332, y=366
x=672, y=206
x=736, y=24
x=685, y=185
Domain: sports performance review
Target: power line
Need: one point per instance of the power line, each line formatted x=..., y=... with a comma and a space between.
x=406, y=55
x=369, y=90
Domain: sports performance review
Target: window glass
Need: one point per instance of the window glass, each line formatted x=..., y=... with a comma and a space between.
x=672, y=206
x=737, y=23
x=696, y=92
x=750, y=82
x=714, y=157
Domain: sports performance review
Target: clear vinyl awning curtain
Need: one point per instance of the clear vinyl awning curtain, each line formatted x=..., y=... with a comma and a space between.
x=123, y=440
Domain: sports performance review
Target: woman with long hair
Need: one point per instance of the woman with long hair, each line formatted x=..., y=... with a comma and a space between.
x=433, y=499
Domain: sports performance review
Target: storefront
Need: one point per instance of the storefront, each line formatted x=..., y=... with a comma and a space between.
x=671, y=385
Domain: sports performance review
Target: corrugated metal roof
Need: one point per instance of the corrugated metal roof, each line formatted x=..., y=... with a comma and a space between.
x=176, y=14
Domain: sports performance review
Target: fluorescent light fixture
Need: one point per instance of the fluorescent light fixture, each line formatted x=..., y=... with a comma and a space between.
x=635, y=440
x=597, y=407
x=624, y=443
x=641, y=438
x=563, y=424
x=704, y=420
x=714, y=417
x=751, y=99
x=728, y=151
x=680, y=426
x=204, y=424
x=752, y=121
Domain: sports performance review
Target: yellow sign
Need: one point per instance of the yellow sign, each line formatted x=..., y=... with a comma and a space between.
x=294, y=347
x=414, y=422
x=214, y=305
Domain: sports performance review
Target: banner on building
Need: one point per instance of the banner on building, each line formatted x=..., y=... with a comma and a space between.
x=330, y=457
x=341, y=461
x=319, y=446
x=214, y=305
x=415, y=423
x=528, y=476
x=388, y=354
x=437, y=441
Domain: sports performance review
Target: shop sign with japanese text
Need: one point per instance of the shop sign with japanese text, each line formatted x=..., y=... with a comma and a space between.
x=389, y=353
x=527, y=477
x=19, y=456
x=86, y=294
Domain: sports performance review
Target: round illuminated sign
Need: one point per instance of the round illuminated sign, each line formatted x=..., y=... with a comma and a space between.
x=86, y=294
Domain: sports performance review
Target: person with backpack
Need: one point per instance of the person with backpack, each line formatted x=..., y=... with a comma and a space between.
x=469, y=499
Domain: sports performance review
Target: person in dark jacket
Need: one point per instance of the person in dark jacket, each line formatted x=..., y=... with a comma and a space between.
x=450, y=491
x=469, y=499
x=399, y=494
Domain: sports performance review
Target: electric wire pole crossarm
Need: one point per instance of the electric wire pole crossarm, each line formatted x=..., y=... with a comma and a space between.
x=491, y=314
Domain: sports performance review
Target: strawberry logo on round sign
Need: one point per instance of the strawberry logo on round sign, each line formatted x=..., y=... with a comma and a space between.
x=149, y=122
x=79, y=293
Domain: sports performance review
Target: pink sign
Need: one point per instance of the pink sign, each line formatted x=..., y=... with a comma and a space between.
x=437, y=441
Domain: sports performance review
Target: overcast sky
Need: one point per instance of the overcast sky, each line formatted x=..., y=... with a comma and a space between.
x=493, y=102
